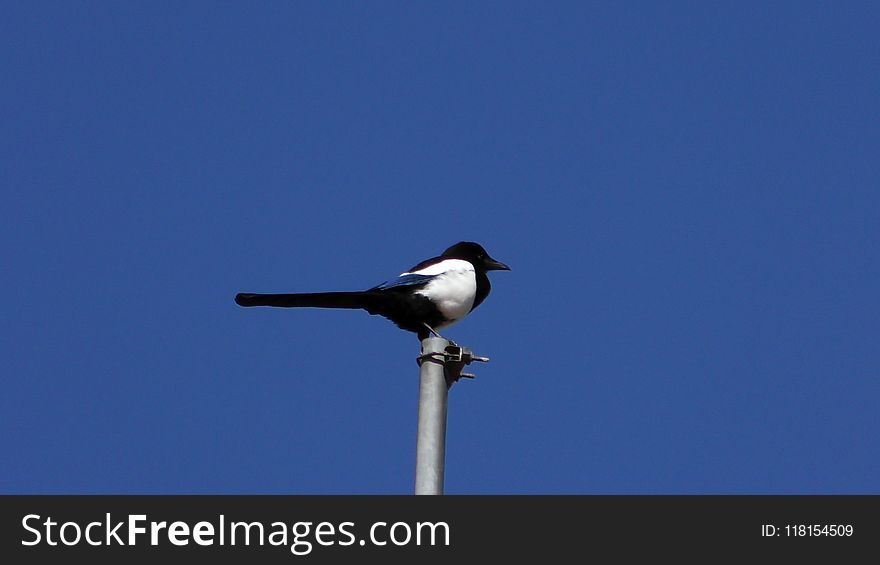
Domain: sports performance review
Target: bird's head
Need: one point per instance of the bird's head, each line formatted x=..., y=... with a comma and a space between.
x=476, y=255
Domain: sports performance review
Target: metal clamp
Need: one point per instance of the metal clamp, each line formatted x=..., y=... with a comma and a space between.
x=453, y=359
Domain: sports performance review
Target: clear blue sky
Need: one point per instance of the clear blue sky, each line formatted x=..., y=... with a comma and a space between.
x=687, y=194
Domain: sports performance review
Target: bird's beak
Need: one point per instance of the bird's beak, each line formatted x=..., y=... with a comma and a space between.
x=493, y=265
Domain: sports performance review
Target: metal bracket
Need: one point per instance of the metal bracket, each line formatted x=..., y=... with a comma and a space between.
x=454, y=359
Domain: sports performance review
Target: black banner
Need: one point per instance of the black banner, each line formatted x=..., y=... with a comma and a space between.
x=288, y=529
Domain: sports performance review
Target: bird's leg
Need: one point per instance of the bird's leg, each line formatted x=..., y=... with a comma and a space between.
x=434, y=332
x=430, y=329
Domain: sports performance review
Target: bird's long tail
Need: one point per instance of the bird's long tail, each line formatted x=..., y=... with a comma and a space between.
x=367, y=300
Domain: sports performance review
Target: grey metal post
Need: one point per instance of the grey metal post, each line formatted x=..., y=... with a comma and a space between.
x=433, y=394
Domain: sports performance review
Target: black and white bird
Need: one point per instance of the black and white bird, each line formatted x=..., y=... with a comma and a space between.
x=433, y=295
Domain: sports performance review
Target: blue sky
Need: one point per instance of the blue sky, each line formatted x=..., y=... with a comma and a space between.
x=687, y=194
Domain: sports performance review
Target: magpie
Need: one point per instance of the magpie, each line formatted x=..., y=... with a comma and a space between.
x=432, y=295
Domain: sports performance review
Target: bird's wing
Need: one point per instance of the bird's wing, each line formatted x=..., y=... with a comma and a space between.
x=405, y=280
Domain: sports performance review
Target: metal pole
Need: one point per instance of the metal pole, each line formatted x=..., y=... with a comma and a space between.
x=431, y=443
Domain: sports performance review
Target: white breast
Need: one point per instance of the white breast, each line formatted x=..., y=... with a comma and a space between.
x=454, y=288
